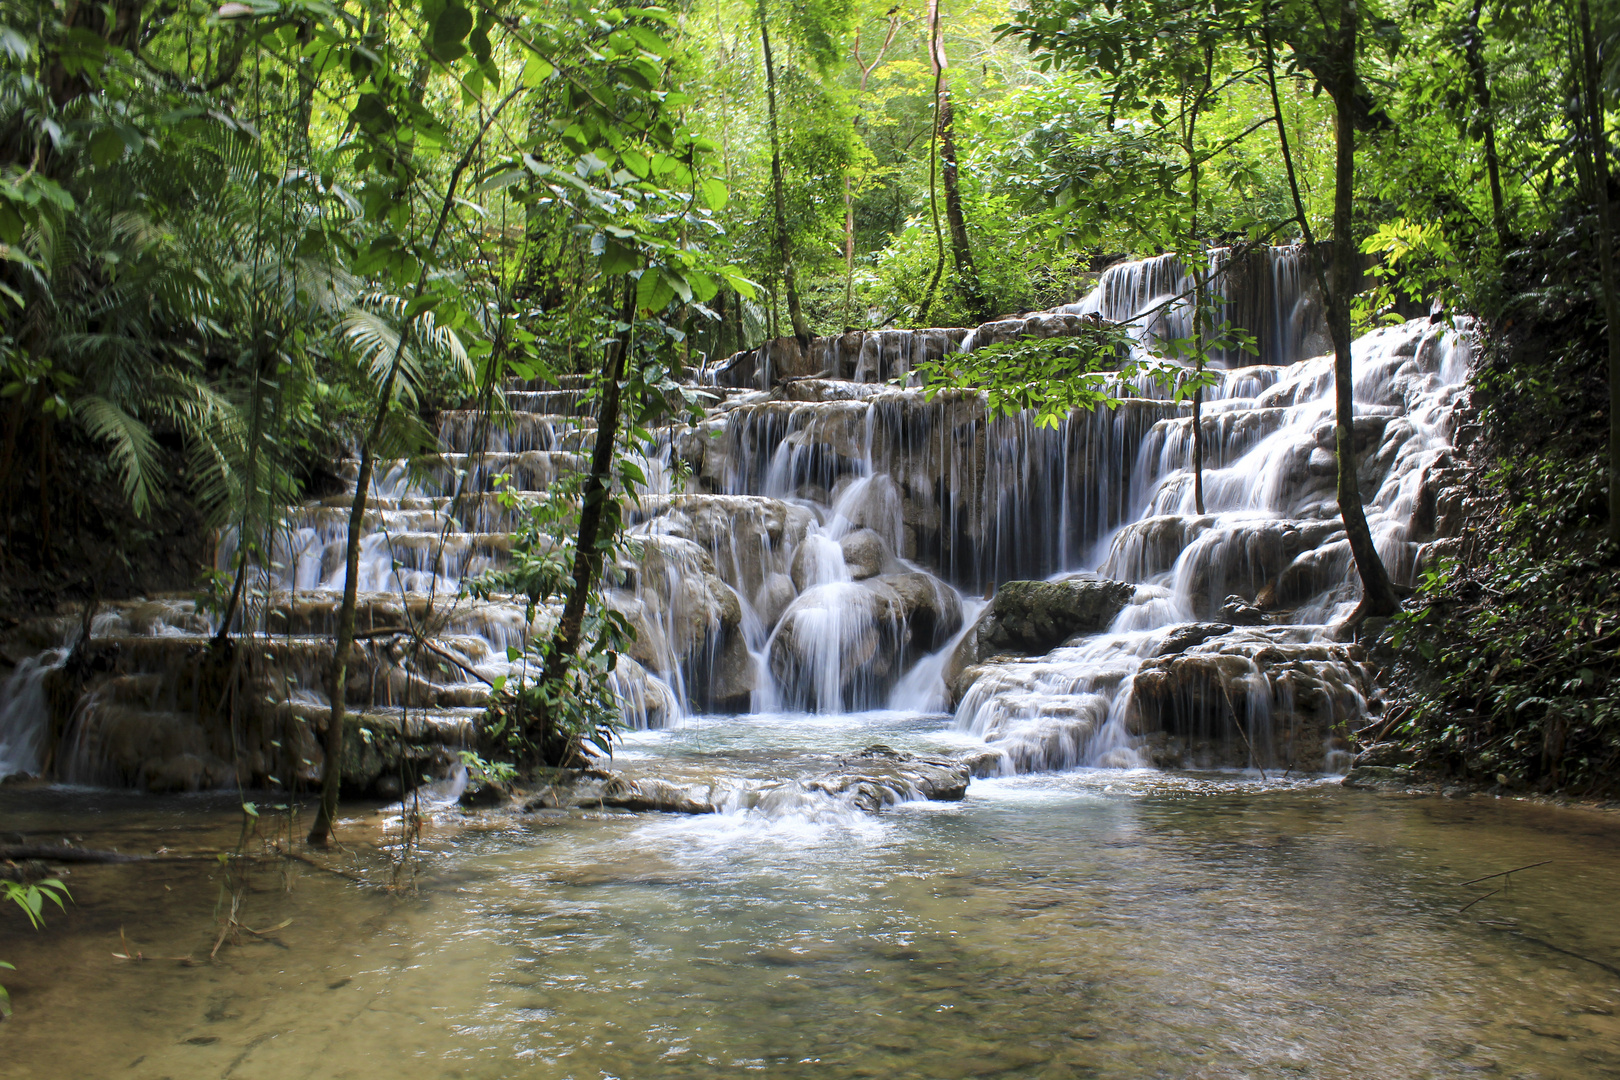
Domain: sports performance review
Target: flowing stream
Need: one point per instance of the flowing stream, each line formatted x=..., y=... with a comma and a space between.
x=1092, y=924
x=1154, y=872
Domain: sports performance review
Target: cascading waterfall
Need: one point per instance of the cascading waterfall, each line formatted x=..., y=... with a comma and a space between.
x=812, y=559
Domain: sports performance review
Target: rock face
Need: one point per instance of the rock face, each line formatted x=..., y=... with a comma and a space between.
x=1247, y=700
x=842, y=645
x=1033, y=617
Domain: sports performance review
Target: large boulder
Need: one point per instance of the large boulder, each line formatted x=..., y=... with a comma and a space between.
x=1250, y=698
x=1031, y=618
x=1034, y=617
x=842, y=644
x=930, y=609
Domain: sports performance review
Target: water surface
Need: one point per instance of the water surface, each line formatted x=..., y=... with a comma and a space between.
x=1086, y=924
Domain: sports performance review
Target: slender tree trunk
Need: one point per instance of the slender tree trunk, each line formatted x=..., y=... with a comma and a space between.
x=332, y=766
x=587, y=551
x=933, y=163
x=1482, y=96
x=1198, y=286
x=1378, y=592
x=784, y=245
x=338, y=676
x=961, y=254
x=1598, y=137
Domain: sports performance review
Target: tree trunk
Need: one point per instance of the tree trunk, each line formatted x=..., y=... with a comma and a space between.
x=961, y=254
x=332, y=767
x=1597, y=135
x=1378, y=592
x=784, y=246
x=1198, y=286
x=587, y=556
x=1482, y=95
x=332, y=746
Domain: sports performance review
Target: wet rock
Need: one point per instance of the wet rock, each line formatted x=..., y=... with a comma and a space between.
x=1034, y=617
x=1240, y=612
x=1385, y=754
x=1379, y=777
x=482, y=794
x=652, y=793
x=931, y=610
x=1257, y=698
x=1030, y=618
x=865, y=554
x=880, y=776
x=845, y=642
x=1182, y=638
x=773, y=597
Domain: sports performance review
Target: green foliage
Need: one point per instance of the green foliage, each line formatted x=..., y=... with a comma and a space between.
x=486, y=772
x=31, y=898
x=1514, y=642
x=1052, y=377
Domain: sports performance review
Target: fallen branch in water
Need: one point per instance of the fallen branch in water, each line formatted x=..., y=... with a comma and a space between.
x=1503, y=873
x=1610, y=968
x=1476, y=900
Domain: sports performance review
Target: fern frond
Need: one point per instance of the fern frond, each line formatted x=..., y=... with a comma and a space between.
x=134, y=453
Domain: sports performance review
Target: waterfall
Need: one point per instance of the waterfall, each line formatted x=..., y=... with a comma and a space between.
x=820, y=542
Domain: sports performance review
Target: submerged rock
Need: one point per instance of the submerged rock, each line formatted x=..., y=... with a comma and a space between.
x=880, y=776
x=652, y=793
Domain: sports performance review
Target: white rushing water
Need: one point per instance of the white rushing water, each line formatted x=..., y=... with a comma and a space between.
x=832, y=537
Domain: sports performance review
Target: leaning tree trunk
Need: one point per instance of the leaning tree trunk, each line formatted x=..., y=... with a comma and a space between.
x=588, y=555
x=332, y=766
x=784, y=244
x=1599, y=139
x=1378, y=592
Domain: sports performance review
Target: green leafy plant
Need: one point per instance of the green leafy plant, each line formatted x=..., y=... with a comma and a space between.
x=31, y=898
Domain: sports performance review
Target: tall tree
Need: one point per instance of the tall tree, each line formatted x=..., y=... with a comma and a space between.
x=784, y=240
x=1334, y=53
x=1596, y=140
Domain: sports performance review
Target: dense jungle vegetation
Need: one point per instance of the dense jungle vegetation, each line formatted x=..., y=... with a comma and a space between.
x=238, y=237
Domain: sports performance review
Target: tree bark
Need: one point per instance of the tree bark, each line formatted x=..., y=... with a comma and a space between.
x=1199, y=285
x=1378, y=592
x=784, y=245
x=1482, y=95
x=332, y=766
x=961, y=254
x=587, y=557
x=1597, y=136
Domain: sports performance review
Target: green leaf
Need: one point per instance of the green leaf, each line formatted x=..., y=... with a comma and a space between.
x=499, y=683
x=250, y=809
x=618, y=259
x=452, y=25
x=536, y=70
x=653, y=293
x=715, y=195
x=106, y=147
